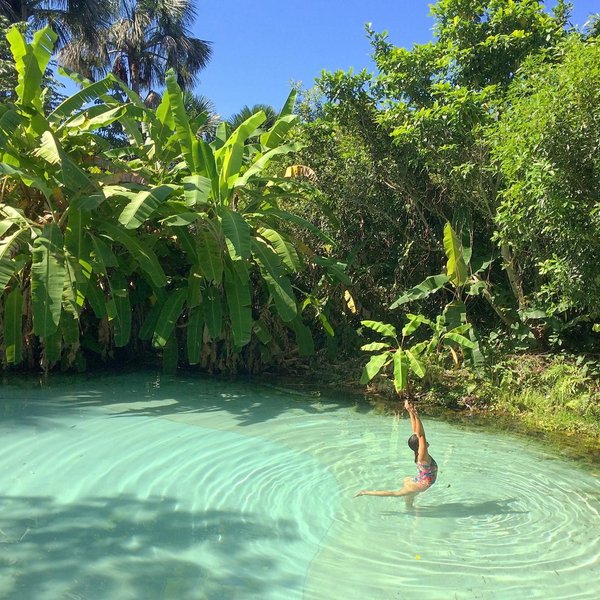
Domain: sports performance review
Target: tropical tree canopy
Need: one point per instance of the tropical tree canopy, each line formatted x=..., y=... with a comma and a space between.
x=68, y=18
x=143, y=40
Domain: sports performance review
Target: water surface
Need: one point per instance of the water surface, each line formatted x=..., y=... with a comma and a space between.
x=137, y=486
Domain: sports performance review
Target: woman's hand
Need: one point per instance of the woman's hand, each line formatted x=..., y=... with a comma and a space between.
x=361, y=493
x=408, y=406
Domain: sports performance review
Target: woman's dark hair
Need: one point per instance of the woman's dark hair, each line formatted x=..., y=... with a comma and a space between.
x=413, y=444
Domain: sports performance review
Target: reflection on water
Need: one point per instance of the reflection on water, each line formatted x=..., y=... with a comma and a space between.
x=134, y=486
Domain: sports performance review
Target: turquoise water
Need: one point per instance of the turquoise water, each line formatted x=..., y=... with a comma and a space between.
x=137, y=486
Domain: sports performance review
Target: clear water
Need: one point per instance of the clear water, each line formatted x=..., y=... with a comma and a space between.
x=140, y=487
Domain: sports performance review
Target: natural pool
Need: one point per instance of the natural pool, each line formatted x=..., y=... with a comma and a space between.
x=144, y=487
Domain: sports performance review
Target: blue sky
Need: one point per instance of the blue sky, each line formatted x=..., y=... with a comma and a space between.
x=261, y=46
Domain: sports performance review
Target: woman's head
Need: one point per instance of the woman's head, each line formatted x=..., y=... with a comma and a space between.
x=413, y=444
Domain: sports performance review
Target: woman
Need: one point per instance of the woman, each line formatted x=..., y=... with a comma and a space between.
x=425, y=464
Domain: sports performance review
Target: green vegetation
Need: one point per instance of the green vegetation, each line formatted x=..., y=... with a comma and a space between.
x=451, y=196
x=170, y=241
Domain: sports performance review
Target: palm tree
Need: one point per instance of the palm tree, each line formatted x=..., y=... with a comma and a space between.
x=247, y=111
x=68, y=18
x=147, y=38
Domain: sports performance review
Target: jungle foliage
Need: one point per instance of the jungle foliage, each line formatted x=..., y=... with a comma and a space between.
x=492, y=127
x=170, y=242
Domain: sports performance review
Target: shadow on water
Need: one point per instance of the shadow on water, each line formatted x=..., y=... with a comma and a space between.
x=154, y=395
x=127, y=547
x=458, y=510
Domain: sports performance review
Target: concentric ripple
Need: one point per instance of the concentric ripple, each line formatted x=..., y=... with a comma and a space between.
x=138, y=487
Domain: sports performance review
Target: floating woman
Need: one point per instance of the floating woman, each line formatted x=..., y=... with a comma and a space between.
x=425, y=464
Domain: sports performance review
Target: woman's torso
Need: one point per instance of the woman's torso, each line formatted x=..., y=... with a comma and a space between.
x=427, y=472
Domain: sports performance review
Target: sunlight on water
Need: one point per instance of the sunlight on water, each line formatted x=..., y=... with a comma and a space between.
x=131, y=487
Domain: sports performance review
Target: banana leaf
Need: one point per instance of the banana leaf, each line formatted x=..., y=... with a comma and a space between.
x=118, y=308
x=237, y=233
x=13, y=327
x=169, y=315
x=278, y=284
x=284, y=249
x=31, y=61
x=143, y=206
x=210, y=256
x=194, y=335
x=47, y=280
x=456, y=268
x=213, y=311
x=237, y=291
x=144, y=256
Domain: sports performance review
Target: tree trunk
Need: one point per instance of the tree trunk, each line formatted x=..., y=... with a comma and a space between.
x=513, y=278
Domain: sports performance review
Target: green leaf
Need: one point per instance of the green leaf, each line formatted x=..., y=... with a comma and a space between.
x=196, y=190
x=185, y=136
x=72, y=177
x=289, y=105
x=213, y=311
x=169, y=314
x=188, y=243
x=414, y=322
x=237, y=233
x=456, y=267
x=382, y=328
x=261, y=330
x=26, y=178
x=8, y=267
x=145, y=257
x=81, y=99
x=276, y=135
x=194, y=281
x=303, y=335
x=279, y=285
x=237, y=291
x=195, y=335
x=118, y=308
x=149, y=325
x=143, y=205
x=102, y=256
x=400, y=370
x=47, y=280
x=418, y=349
x=373, y=367
x=284, y=249
x=336, y=269
x=461, y=340
x=296, y=220
x=417, y=365
x=455, y=313
x=425, y=288
x=13, y=324
x=374, y=347
x=210, y=256
x=261, y=162
x=95, y=297
x=170, y=357
x=31, y=61
x=230, y=156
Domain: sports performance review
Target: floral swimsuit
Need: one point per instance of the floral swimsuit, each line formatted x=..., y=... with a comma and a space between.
x=427, y=474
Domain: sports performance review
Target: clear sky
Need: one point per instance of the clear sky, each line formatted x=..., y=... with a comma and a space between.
x=261, y=46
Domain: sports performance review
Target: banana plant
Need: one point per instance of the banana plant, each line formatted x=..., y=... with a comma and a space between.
x=450, y=331
x=407, y=356
x=225, y=217
x=189, y=237
x=57, y=232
